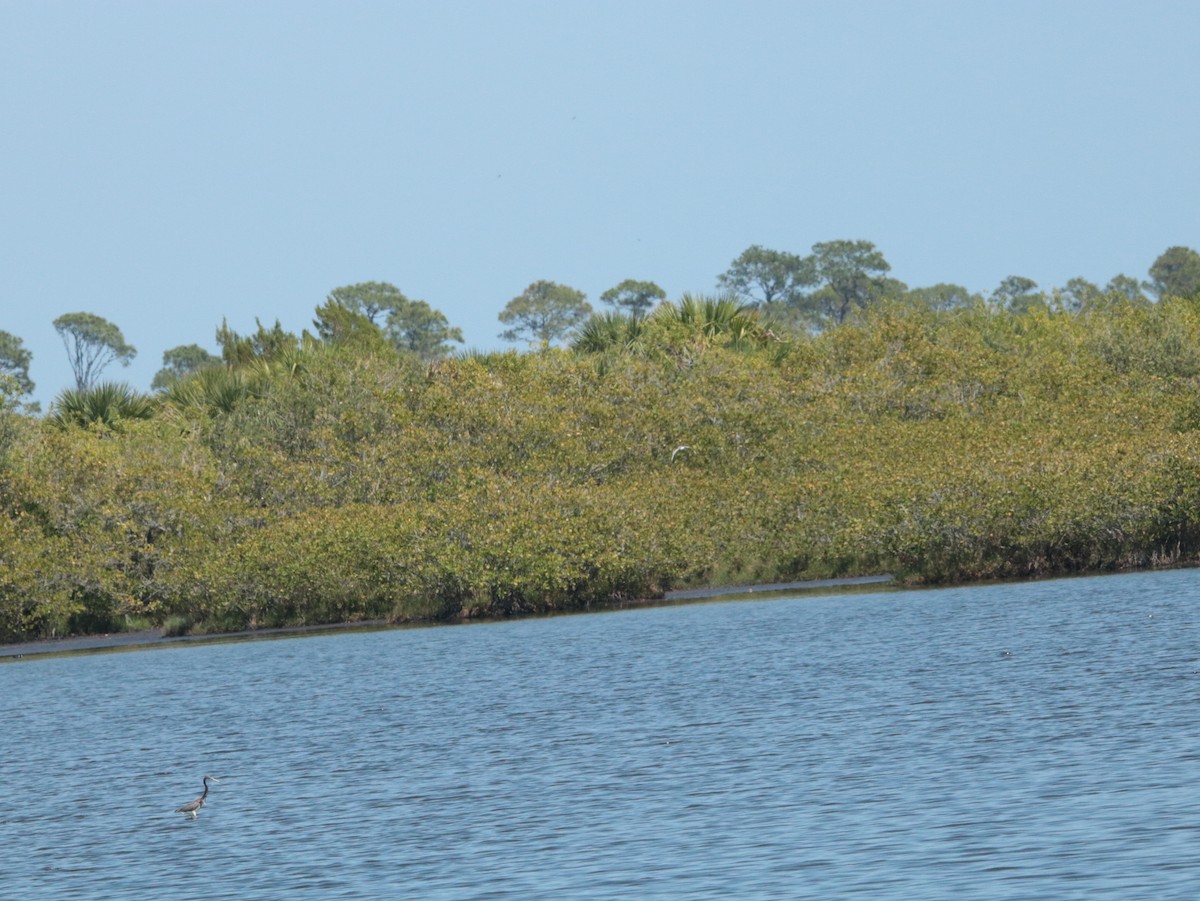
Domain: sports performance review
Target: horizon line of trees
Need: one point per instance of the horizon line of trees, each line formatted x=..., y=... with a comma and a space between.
x=331, y=476
x=787, y=292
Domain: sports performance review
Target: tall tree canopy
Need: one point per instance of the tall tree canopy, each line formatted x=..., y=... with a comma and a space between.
x=341, y=326
x=15, y=360
x=371, y=299
x=762, y=276
x=851, y=274
x=180, y=361
x=92, y=342
x=544, y=312
x=634, y=297
x=414, y=325
x=1176, y=273
x=815, y=291
x=1129, y=288
x=1017, y=294
x=1079, y=295
x=411, y=325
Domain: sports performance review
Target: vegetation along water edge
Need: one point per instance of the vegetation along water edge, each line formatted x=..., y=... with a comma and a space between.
x=147, y=638
x=338, y=476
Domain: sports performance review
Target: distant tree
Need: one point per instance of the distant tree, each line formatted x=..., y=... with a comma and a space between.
x=1129, y=288
x=411, y=325
x=338, y=325
x=1176, y=273
x=1017, y=294
x=414, y=325
x=544, y=312
x=634, y=297
x=761, y=276
x=14, y=362
x=92, y=342
x=180, y=361
x=852, y=277
x=10, y=421
x=1079, y=295
x=371, y=299
x=1082, y=296
x=264, y=344
x=942, y=296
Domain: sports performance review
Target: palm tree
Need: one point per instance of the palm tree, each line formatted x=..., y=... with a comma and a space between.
x=709, y=317
x=109, y=403
x=216, y=389
x=608, y=331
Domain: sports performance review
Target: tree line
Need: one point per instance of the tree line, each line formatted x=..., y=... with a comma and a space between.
x=794, y=292
x=343, y=473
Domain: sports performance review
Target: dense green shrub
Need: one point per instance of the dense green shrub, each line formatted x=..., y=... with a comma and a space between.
x=328, y=484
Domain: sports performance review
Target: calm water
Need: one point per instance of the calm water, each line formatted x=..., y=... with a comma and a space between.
x=1026, y=741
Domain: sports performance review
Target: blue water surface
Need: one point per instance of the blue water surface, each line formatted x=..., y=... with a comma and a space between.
x=1036, y=740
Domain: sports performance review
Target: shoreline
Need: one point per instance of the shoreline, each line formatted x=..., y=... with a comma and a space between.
x=153, y=638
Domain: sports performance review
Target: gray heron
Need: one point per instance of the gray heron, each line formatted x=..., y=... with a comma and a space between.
x=193, y=807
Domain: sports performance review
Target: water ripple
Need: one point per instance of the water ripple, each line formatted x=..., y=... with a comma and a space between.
x=1024, y=741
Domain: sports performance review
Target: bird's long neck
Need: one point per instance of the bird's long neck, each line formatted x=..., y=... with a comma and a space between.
x=205, y=794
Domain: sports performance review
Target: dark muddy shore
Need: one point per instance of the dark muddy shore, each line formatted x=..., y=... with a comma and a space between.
x=153, y=638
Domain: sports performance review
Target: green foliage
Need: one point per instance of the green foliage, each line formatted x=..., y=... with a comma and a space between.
x=92, y=342
x=12, y=421
x=677, y=331
x=943, y=297
x=181, y=361
x=543, y=313
x=110, y=404
x=851, y=273
x=610, y=331
x=634, y=298
x=1156, y=340
x=264, y=345
x=410, y=325
x=1078, y=295
x=14, y=362
x=372, y=300
x=814, y=292
x=92, y=525
x=698, y=318
x=761, y=276
x=215, y=390
x=319, y=482
x=1127, y=289
x=1176, y=273
x=339, y=325
x=417, y=327
x=1018, y=294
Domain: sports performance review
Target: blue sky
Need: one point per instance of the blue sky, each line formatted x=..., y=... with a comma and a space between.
x=169, y=165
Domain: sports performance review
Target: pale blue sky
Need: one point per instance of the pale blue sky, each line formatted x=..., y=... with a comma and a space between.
x=170, y=164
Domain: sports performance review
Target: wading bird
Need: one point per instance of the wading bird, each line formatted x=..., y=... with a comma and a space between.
x=193, y=807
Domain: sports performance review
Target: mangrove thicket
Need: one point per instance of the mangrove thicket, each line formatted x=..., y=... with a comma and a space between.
x=335, y=476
